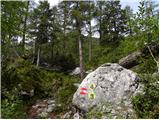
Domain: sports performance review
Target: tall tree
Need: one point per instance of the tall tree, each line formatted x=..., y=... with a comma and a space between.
x=147, y=21
x=64, y=10
x=78, y=10
x=130, y=19
x=113, y=23
x=55, y=29
x=25, y=24
x=89, y=17
x=99, y=15
x=41, y=26
x=12, y=14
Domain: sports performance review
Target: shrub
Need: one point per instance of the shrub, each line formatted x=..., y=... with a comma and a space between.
x=147, y=105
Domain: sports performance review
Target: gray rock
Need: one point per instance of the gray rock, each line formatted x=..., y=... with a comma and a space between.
x=50, y=101
x=139, y=90
x=76, y=116
x=35, y=106
x=67, y=115
x=76, y=71
x=50, y=109
x=76, y=84
x=114, y=117
x=104, y=117
x=89, y=71
x=109, y=84
x=32, y=92
x=155, y=74
x=43, y=114
x=113, y=111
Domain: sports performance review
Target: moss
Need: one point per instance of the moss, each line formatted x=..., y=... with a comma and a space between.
x=94, y=115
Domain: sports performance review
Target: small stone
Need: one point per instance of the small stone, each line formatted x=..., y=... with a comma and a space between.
x=103, y=108
x=43, y=114
x=50, y=109
x=113, y=111
x=114, y=117
x=104, y=117
x=76, y=71
x=67, y=115
x=118, y=108
x=76, y=116
x=39, y=110
x=35, y=106
x=50, y=101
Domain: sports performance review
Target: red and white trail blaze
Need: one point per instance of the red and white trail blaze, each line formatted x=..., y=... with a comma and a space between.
x=83, y=91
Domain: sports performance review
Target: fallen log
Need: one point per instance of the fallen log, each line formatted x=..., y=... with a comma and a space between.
x=131, y=60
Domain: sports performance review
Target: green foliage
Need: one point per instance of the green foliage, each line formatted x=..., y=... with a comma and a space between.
x=21, y=75
x=113, y=23
x=12, y=15
x=65, y=93
x=12, y=110
x=94, y=115
x=11, y=105
x=55, y=30
x=146, y=104
x=147, y=65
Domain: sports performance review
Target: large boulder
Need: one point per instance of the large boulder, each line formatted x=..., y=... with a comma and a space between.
x=108, y=89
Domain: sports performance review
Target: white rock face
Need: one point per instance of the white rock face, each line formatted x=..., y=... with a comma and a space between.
x=109, y=84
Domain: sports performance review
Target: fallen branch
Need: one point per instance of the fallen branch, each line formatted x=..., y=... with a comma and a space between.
x=153, y=56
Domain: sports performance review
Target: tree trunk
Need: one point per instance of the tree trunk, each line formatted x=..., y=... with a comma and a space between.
x=80, y=57
x=64, y=26
x=100, y=24
x=34, y=52
x=78, y=26
x=90, y=37
x=38, y=56
x=90, y=47
x=24, y=28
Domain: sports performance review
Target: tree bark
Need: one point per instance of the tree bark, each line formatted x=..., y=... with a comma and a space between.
x=25, y=24
x=78, y=26
x=100, y=23
x=90, y=45
x=38, y=56
x=90, y=35
x=81, y=57
x=64, y=25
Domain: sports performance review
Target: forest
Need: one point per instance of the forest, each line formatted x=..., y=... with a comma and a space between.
x=47, y=51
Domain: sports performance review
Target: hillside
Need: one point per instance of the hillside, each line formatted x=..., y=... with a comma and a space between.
x=46, y=60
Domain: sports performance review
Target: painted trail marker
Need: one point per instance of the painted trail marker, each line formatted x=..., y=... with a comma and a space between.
x=83, y=91
x=92, y=95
